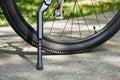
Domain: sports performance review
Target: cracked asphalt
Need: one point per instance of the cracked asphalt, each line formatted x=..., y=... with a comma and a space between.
x=18, y=61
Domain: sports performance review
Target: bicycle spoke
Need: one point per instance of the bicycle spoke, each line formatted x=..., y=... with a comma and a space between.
x=76, y=23
x=99, y=2
x=95, y=13
x=79, y=24
x=68, y=21
x=80, y=8
x=72, y=19
x=51, y=28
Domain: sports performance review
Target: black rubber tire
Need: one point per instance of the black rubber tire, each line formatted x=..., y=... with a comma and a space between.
x=25, y=31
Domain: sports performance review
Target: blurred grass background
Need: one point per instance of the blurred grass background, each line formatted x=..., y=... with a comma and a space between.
x=29, y=9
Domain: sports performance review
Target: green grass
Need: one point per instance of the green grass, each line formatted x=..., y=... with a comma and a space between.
x=29, y=9
x=89, y=9
x=3, y=21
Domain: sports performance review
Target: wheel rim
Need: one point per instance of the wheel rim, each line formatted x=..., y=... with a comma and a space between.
x=74, y=27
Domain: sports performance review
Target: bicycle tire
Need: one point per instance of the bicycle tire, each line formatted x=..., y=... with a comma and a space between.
x=25, y=31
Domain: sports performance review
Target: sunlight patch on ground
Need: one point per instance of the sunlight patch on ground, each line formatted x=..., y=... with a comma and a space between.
x=114, y=60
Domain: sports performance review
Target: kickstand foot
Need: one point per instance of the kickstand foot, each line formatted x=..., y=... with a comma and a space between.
x=39, y=66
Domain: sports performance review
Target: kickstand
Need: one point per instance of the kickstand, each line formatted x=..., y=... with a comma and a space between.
x=44, y=6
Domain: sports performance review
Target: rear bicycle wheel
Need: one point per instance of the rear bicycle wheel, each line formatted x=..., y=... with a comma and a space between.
x=84, y=25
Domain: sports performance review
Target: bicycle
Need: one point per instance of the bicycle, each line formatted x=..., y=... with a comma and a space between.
x=66, y=33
